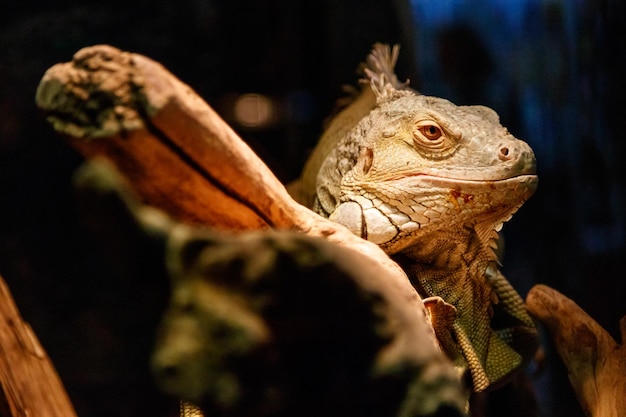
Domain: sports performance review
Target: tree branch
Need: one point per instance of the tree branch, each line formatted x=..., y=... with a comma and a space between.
x=595, y=362
x=179, y=156
x=29, y=383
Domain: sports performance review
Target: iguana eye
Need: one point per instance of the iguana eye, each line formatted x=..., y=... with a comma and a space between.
x=431, y=131
x=432, y=140
x=429, y=134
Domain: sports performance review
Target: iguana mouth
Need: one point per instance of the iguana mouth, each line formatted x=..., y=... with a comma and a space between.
x=514, y=178
x=443, y=181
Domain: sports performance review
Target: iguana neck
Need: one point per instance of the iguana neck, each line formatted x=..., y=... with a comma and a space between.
x=451, y=250
x=452, y=264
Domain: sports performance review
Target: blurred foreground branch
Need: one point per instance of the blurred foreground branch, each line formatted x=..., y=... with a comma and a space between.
x=177, y=155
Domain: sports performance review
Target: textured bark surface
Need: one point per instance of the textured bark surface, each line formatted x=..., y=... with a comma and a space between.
x=595, y=362
x=29, y=383
x=178, y=155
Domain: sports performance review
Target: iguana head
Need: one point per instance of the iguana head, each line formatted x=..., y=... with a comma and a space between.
x=416, y=164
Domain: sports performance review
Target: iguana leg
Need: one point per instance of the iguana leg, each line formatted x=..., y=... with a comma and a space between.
x=442, y=316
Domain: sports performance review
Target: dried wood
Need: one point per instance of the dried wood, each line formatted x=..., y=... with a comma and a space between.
x=595, y=362
x=29, y=383
x=178, y=155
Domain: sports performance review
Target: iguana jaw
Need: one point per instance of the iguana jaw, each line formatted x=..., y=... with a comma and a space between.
x=374, y=211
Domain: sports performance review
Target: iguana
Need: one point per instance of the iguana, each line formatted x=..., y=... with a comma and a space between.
x=432, y=183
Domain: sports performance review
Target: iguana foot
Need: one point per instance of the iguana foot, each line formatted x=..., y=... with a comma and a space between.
x=442, y=316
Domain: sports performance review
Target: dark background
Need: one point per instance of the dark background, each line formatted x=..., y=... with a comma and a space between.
x=554, y=71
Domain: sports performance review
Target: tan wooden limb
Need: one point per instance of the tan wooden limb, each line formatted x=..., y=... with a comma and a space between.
x=170, y=145
x=102, y=102
x=29, y=384
x=178, y=155
x=595, y=362
x=176, y=152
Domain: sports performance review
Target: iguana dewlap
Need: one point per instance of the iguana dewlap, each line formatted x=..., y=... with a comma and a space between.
x=432, y=183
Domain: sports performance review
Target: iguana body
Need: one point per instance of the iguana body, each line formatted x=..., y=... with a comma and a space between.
x=432, y=183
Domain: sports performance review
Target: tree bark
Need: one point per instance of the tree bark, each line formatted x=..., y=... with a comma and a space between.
x=29, y=383
x=595, y=362
x=178, y=155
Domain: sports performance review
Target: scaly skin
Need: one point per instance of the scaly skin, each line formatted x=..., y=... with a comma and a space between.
x=432, y=183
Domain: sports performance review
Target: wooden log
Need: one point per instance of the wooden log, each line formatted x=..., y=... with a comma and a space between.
x=29, y=383
x=103, y=103
x=178, y=155
x=595, y=362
